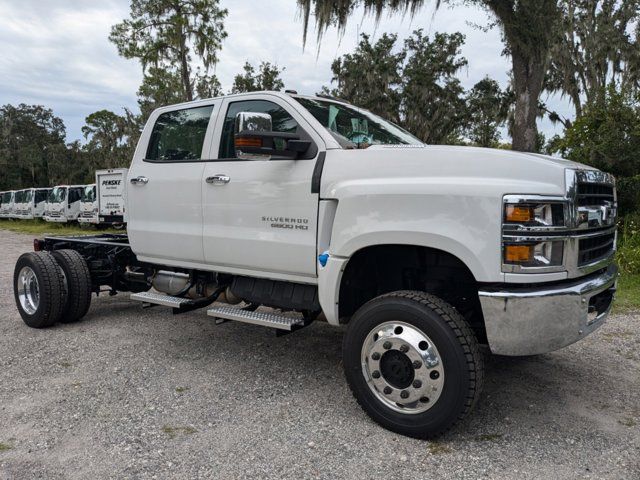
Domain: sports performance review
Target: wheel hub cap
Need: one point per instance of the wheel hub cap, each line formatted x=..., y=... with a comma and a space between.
x=28, y=290
x=396, y=369
x=402, y=367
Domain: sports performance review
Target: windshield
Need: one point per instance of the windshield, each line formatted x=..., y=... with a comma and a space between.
x=354, y=127
x=89, y=193
x=58, y=194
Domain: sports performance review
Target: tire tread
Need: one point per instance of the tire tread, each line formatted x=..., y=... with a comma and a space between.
x=467, y=340
x=79, y=284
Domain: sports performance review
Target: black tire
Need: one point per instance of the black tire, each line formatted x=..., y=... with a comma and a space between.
x=78, y=283
x=461, y=361
x=51, y=291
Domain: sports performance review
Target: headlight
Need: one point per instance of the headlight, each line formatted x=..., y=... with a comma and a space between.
x=540, y=254
x=534, y=214
x=534, y=229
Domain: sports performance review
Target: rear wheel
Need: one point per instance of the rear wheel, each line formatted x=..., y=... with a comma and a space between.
x=78, y=284
x=412, y=363
x=39, y=289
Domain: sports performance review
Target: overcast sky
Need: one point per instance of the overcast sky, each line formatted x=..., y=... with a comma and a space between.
x=57, y=53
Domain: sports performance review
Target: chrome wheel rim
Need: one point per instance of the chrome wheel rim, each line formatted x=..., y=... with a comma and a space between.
x=28, y=290
x=402, y=367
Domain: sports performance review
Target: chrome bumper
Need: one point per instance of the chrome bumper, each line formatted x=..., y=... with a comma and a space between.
x=533, y=320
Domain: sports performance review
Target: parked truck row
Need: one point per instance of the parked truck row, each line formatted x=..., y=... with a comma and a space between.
x=100, y=203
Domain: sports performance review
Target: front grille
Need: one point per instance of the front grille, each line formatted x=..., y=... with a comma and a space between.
x=594, y=194
x=595, y=248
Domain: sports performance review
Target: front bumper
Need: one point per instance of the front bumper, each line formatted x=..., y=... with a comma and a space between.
x=533, y=320
x=55, y=219
x=92, y=219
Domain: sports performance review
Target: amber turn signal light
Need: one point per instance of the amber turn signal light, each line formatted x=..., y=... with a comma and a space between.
x=248, y=142
x=515, y=213
x=518, y=253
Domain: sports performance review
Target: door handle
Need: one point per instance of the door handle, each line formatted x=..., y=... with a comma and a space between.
x=219, y=179
x=139, y=180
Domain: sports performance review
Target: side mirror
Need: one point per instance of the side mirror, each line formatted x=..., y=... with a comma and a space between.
x=255, y=140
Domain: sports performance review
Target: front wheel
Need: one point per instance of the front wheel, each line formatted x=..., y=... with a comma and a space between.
x=412, y=363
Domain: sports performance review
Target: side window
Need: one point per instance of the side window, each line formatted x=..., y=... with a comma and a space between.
x=74, y=194
x=281, y=122
x=179, y=135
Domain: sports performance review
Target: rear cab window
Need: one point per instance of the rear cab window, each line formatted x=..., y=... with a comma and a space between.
x=178, y=136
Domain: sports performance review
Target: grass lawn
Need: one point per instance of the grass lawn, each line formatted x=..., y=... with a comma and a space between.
x=628, y=294
x=40, y=227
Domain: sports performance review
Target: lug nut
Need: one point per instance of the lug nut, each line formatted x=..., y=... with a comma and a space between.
x=434, y=375
x=404, y=348
x=386, y=345
x=375, y=374
x=375, y=356
x=404, y=394
x=417, y=364
x=387, y=390
x=417, y=384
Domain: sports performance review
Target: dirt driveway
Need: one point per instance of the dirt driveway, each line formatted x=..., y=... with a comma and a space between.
x=131, y=393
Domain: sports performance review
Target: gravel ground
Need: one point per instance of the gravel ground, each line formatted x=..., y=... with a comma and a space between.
x=132, y=393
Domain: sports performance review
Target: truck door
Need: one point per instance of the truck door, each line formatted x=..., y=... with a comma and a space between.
x=260, y=214
x=164, y=195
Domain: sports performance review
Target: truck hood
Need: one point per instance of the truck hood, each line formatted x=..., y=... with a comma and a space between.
x=501, y=171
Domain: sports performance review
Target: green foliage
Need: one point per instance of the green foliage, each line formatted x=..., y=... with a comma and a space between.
x=166, y=34
x=160, y=87
x=628, y=189
x=415, y=87
x=432, y=97
x=628, y=293
x=40, y=227
x=31, y=144
x=528, y=28
x=607, y=135
x=628, y=254
x=371, y=76
x=267, y=77
x=112, y=138
x=595, y=46
x=488, y=106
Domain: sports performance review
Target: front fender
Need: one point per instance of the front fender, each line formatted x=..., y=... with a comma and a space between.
x=467, y=227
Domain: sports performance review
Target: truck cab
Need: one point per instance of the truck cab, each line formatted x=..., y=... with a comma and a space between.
x=88, y=205
x=30, y=203
x=324, y=211
x=63, y=204
x=39, y=202
x=22, y=199
x=7, y=206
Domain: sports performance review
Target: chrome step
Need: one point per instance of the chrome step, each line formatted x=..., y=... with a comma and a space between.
x=155, y=298
x=266, y=319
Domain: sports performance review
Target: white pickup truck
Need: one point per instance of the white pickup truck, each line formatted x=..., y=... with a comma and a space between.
x=279, y=209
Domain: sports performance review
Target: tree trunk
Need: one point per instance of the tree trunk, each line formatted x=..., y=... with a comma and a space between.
x=528, y=77
x=186, y=78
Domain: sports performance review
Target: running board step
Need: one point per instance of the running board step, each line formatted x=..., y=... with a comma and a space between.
x=161, y=299
x=273, y=320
